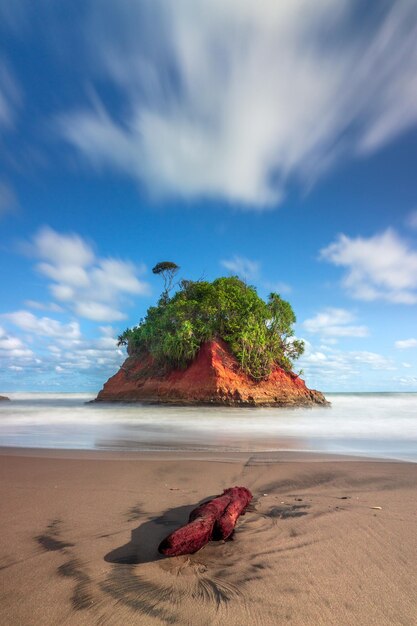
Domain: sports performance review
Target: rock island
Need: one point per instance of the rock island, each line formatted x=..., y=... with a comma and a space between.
x=212, y=343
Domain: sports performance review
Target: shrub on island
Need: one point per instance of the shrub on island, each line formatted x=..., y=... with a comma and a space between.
x=259, y=334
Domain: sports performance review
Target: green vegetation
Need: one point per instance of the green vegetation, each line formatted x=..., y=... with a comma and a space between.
x=259, y=333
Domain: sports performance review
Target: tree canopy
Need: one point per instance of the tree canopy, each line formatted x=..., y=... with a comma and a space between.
x=260, y=334
x=168, y=270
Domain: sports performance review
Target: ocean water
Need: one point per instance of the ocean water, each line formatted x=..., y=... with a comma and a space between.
x=380, y=425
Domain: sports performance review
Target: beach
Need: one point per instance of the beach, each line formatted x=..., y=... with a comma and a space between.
x=327, y=540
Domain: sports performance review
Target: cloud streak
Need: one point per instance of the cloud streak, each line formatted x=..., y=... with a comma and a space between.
x=334, y=323
x=233, y=100
x=8, y=200
x=404, y=344
x=243, y=267
x=10, y=96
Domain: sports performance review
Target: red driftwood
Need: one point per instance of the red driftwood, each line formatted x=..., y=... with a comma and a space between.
x=213, y=519
x=225, y=524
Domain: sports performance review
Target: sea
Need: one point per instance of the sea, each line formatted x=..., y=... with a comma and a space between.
x=379, y=425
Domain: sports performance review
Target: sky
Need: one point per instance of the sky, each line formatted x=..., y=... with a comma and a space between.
x=276, y=141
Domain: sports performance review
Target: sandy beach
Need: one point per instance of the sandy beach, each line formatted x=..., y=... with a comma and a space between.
x=327, y=541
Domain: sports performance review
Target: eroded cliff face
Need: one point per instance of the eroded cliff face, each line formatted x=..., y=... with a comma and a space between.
x=214, y=377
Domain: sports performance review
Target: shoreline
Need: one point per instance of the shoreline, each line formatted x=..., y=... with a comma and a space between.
x=214, y=456
x=329, y=539
x=207, y=454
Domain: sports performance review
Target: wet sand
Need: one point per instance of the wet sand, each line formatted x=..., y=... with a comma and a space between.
x=327, y=540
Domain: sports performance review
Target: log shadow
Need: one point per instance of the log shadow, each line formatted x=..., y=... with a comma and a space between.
x=145, y=539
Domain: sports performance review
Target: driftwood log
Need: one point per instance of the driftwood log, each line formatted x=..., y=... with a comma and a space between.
x=215, y=519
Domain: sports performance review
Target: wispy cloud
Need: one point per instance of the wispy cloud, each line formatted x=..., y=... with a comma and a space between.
x=333, y=323
x=412, y=220
x=382, y=267
x=86, y=354
x=10, y=96
x=8, y=200
x=57, y=348
x=90, y=286
x=277, y=286
x=44, y=306
x=250, y=270
x=407, y=381
x=243, y=267
x=44, y=326
x=232, y=99
x=12, y=347
x=403, y=344
x=331, y=367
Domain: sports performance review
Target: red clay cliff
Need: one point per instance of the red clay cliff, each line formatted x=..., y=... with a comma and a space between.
x=214, y=377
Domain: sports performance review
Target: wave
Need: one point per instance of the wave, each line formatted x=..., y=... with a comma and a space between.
x=378, y=423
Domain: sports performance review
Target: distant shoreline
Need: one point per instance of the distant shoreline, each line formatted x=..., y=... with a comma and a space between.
x=273, y=456
x=93, y=393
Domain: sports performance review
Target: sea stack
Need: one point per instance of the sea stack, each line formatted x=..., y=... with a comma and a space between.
x=212, y=378
x=213, y=343
x=4, y=398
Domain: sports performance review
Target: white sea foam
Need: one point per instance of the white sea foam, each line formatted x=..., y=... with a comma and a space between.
x=371, y=424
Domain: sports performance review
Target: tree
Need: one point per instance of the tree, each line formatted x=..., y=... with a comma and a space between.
x=281, y=326
x=167, y=270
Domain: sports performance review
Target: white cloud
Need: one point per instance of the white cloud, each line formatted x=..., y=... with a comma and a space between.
x=374, y=360
x=407, y=381
x=98, y=312
x=403, y=344
x=68, y=352
x=334, y=322
x=316, y=357
x=12, y=347
x=44, y=306
x=92, y=287
x=243, y=267
x=232, y=99
x=8, y=343
x=62, y=250
x=332, y=368
x=382, y=267
x=87, y=354
x=44, y=326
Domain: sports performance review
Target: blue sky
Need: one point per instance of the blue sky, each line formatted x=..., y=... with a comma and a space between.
x=273, y=140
